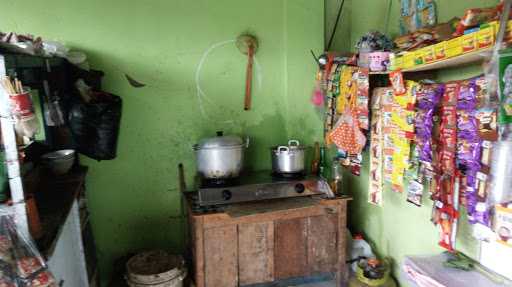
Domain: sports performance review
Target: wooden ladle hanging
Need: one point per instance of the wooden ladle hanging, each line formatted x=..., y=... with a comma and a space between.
x=247, y=44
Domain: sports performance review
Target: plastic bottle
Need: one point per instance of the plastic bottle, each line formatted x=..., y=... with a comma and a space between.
x=360, y=248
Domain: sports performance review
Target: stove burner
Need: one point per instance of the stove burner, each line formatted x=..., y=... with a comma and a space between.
x=256, y=186
x=295, y=175
x=219, y=182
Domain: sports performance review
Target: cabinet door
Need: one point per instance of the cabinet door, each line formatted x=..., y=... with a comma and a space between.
x=290, y=248
x=221, y=256
x=323, y=243
x=256, y=252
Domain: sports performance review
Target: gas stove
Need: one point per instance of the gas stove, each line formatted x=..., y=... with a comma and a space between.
x=259, y=186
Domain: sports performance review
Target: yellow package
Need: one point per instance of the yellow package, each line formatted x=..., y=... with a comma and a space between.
x=395, y=62
x=408, y=60
x=428, y=54
x=440, y=51
x=404, y=120
x=418, y=57
x=454, y=47
x=468, y=42
x=485, y=37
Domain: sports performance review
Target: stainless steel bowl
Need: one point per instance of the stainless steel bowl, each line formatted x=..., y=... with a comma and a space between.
x=59, y=162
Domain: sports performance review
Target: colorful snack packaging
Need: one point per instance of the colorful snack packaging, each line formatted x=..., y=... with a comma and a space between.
x=467, y=93
x=450, y=94
x=397, y=82
x=487, y=124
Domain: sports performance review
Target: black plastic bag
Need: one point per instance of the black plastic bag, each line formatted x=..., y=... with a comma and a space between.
x=95, y=126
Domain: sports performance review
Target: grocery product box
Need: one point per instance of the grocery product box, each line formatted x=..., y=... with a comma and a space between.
x=440, y=51
x=468, y=42
x=453, y=47
x=395, y=62
x=428, y=54
x=418, y=57
x=485, y=37
x=408, y=60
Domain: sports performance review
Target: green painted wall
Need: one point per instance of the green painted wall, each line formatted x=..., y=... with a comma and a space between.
x=398, y=228
x=134, y=199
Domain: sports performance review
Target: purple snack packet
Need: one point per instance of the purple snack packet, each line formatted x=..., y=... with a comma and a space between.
x=428, y=96
x=467, y=97
x=468, y=155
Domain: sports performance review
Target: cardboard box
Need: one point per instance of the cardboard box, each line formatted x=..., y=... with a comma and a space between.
x=453, y=47
x=395, y=62
x=468, y=42
x=485, y=37
x=440, y=51
x=428, y=54
x=408, y=60
x=418, y=57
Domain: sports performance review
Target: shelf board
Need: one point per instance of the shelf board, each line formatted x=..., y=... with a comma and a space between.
x=461, y=60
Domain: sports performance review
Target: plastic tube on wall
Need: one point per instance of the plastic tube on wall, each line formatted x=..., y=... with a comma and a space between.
x=501, y=172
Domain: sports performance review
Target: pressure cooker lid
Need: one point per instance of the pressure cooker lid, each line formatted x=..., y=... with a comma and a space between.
x=220, y=141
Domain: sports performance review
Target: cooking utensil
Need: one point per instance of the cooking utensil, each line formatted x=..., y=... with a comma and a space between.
x=220, y=157
x=59, y=162
x=247, y=44
x=288, y=159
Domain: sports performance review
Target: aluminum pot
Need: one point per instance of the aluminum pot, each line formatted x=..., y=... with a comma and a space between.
x=220, y=157
x=288, y=159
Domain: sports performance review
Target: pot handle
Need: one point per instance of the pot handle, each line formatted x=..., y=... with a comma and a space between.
x=293, y=143
x=283, y=148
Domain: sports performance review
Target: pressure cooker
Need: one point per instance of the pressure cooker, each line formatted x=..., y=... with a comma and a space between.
x=220, y=157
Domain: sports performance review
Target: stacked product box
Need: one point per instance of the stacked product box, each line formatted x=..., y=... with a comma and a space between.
x=483, y=38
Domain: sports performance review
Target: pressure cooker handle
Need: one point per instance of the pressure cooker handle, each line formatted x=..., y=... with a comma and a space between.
x=293, y=143
x=283, y=149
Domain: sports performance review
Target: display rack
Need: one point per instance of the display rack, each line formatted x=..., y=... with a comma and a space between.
x=11, y=157
x=465, y=59
x=457, y=61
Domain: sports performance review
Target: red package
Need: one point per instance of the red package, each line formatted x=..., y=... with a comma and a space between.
x=397, y=82
x=450, y=94
x=474, y=17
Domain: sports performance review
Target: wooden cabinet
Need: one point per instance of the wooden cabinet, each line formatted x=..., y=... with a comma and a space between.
x=268, y=241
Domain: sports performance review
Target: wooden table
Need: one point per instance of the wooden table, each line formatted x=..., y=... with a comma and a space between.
x=269, y=241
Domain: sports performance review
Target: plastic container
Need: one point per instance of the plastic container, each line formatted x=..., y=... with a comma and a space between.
x=155, y=268
x=379, y=61
x=501, y=172
x=360, y=248
x=364, y=59
x=372, y=273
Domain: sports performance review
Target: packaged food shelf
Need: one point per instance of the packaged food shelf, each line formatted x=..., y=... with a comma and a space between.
x=461, y=60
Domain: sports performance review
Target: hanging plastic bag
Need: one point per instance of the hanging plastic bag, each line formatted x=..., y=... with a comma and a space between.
x=346, y=134
x=21, y=264
x=95, y=126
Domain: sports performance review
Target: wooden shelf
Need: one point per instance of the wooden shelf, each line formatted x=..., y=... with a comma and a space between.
x=464, y=59
x=461, y=60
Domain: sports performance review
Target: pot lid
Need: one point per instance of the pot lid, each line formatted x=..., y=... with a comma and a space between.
x=220, y=141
